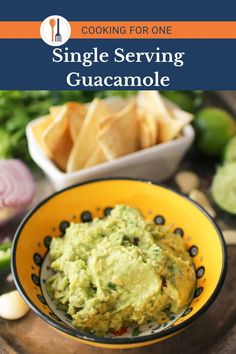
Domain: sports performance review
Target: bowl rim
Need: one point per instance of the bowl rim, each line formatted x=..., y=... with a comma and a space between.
x=107, y=340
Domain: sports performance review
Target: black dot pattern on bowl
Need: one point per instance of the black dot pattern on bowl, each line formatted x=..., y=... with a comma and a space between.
x=193, y=251
x=35, y=279
x=159, y=220
x=187, y=311
x=179, y=231
x=63, y=226
x=198, y=291
x=47, y=241
x=107, y=211
x=200, y=272
x=37, y=259
x=41, y=299
x=86, y=216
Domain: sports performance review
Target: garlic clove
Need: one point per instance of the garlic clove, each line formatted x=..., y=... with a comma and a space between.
x=187, y=181
x=230, y=237
x=201, y=199
x=12, y=306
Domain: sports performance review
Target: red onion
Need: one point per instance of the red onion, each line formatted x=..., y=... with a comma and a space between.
x=16, y=188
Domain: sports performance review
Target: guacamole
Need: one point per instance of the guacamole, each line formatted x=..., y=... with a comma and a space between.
x=119, y=271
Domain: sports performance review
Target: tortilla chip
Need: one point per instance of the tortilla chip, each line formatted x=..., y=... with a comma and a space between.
x=62, y=152
x=55, y=110
x=170, y=118
x=147, y=130
x=152, y=102
x=120, y=135
x=176, y=112
x=148, y=121
x=171, y=128
x=75, y=112
x=58, y=139
x=38, y=128
x=86, y=142
x=55, y=131
x=97, y=157
x=105, y=122
x=117, y=103
x=168, y=130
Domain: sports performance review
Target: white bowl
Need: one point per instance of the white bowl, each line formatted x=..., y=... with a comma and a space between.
x=158, y=162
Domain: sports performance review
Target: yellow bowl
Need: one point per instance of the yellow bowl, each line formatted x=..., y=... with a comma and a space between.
x=50, y=218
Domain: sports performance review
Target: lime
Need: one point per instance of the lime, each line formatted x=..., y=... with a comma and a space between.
x=214, y=127
x=224, y=187
x=230, y=150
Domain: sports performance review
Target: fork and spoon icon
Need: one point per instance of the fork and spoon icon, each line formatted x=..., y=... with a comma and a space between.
x=55, y=37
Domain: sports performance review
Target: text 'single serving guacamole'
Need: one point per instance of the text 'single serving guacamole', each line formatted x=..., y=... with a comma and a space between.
x=118, y=271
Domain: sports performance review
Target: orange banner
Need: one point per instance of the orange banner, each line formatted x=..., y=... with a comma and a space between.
x=129, y=30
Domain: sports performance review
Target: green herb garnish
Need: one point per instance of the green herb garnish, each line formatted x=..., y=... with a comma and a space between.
x=136, y=332
x=111, y=285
